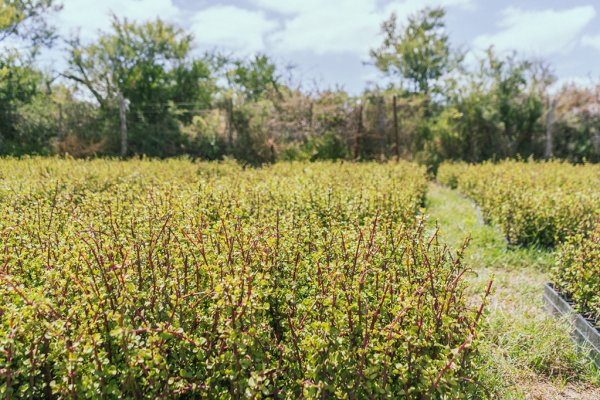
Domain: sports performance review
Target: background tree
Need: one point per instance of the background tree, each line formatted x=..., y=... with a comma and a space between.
x=25, y=123
x=419, y=53
x=500, y=107
x=27, y=20
x=218, y=105
x=577, y=129
x=149, y=65
x=255, y=78
x=251, y=98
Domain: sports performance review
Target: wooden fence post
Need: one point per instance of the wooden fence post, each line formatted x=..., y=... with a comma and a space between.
x=310, y=117
x=123, y=118
x=381, y=125
x=229, y=123
x=60, y=121
x=359, y=129
x=396, y=134
x=549, y=123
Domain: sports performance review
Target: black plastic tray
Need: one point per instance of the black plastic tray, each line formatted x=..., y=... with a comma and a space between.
x=584, y=333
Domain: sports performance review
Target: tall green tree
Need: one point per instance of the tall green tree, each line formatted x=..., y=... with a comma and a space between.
x=150, y=65
x=418, y=52
x=497, y=109
x=25, y=123
x=255, y=78
x=250, y=100
x=27, y=20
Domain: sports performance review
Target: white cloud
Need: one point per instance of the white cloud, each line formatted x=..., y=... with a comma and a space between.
x=90, y=16
x=540, y=33
x=337, y=26
x=284, y=27
x=345, y=26
x=232, y=28
x=284, y=7
x=308, y=6
x=591, y=41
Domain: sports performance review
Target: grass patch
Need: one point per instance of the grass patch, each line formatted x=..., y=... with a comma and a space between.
x=526, y=353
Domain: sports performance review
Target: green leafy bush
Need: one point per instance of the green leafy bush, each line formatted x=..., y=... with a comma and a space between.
x=203, y=139
x=532, y=202
x=329, y=146
x=178, y=279
x=577, y=272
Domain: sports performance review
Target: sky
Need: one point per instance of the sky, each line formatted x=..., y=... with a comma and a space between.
x=328, y=41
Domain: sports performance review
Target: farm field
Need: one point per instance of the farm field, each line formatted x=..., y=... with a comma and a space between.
x=374, y=199
x=308, y=280
x=147, y=278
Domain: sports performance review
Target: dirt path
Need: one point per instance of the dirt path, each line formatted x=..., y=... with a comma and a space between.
x=527, y=354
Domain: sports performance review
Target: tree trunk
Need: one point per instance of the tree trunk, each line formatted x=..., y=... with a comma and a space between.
x=229, y=123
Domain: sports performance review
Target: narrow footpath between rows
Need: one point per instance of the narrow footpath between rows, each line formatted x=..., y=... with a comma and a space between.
x=527, y=354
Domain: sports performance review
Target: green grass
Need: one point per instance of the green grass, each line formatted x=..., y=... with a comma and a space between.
x=526, y=353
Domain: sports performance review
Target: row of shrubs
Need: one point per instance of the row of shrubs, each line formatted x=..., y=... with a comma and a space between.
x=540, y=203
x=146, y=279
x=577, y=272
x=548, y=203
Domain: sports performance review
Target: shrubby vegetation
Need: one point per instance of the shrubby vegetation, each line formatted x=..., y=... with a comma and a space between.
x=533, y=203
x=577, y=271
x=215, y=106
x=210, y=280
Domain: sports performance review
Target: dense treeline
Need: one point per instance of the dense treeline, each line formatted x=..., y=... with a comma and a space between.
x=139, y=90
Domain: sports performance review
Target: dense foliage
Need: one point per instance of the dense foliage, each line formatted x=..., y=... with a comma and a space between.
x=27, y=20
x=577, y=272
x=533, y=203
x=149, y=65
x=429, y=106
x=26, y=126
x=576, y=134
x=173, y=278
x=419, y=51
x=496, y=112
